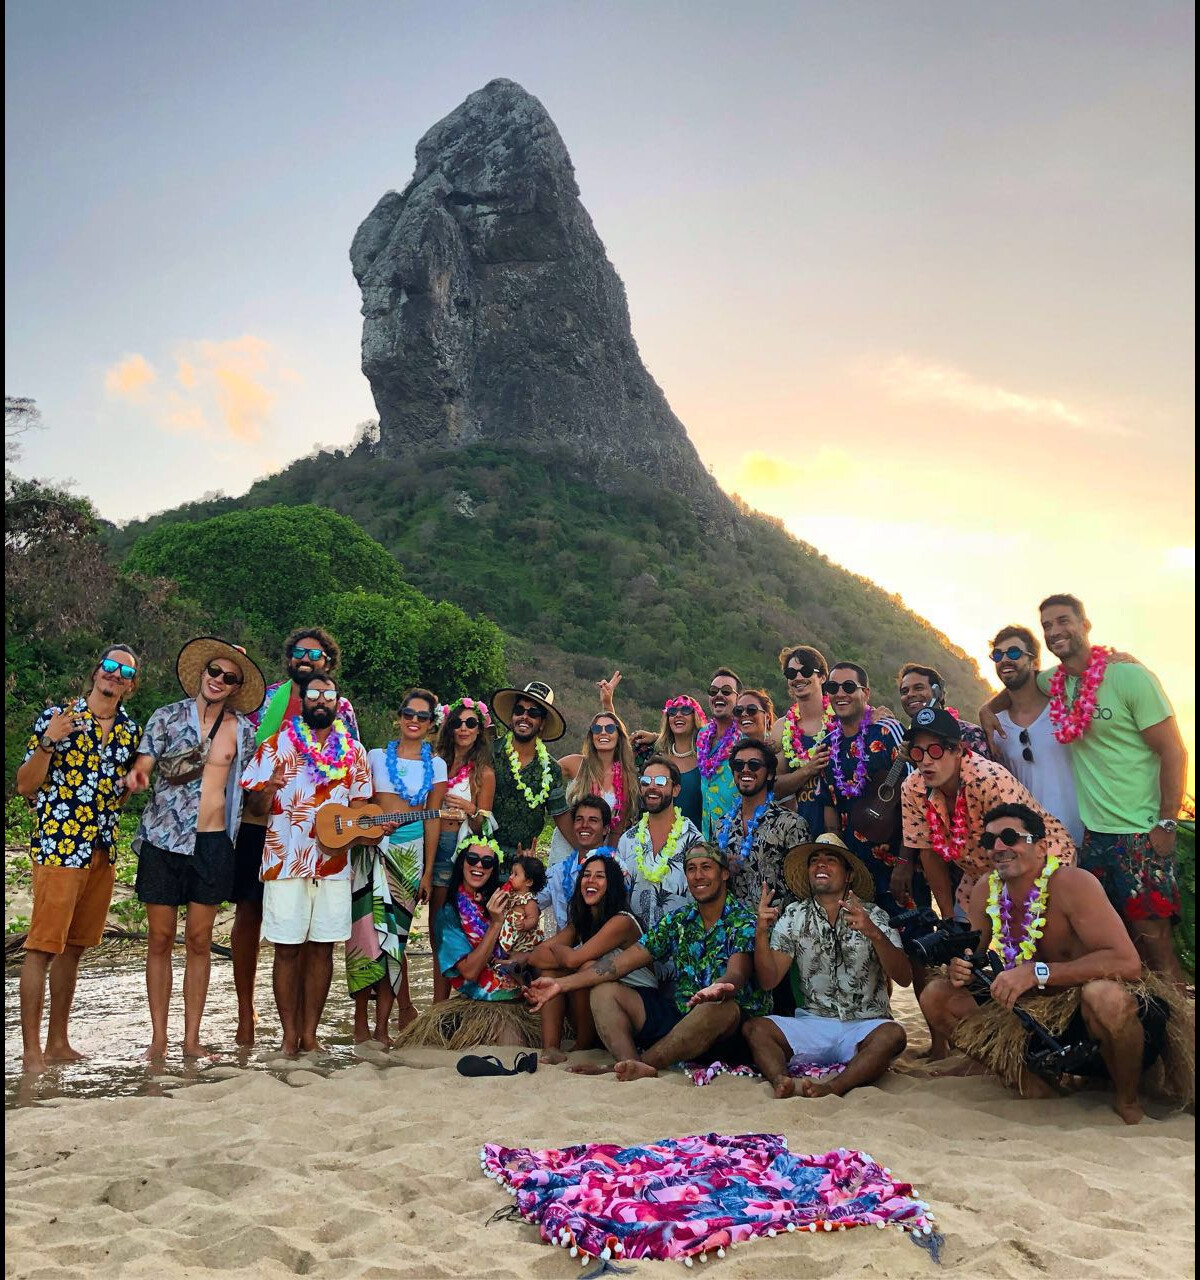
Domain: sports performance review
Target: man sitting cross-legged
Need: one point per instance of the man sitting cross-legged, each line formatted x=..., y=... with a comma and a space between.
x=711, y=940
x=844, y=950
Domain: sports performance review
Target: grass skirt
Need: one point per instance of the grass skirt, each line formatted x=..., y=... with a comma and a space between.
x=993, y=1036
x=459, y=1023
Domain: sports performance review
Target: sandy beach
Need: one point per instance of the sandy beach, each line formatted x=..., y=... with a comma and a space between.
x=372, y=1171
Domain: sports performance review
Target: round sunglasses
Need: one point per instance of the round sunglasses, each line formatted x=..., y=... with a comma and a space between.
x=604, y=727
x=934, y=751
x=1012, y=653
x=802, y=672
x=846, y=686
x=467, y=722
x=219, y=673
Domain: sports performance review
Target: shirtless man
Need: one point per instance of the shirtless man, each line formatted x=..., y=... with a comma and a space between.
x=1083, y=944
x=191, y=757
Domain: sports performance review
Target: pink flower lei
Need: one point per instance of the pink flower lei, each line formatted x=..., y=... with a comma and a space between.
x=948, y=846
x=1071, y=722
x=331, y=761
x=710, y=758
x=794, y=752
x=685, y=701
x=457, y=777
x=618, y=786
x=849, y=790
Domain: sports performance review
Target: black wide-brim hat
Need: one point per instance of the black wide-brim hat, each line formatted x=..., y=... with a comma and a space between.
x=503, y=701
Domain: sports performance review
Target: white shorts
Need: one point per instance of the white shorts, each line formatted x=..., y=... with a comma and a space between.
x=297, y=911
x=824, y=1041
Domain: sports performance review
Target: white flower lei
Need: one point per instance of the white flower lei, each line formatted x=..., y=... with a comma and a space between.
x=657, y=872
x=543, y=758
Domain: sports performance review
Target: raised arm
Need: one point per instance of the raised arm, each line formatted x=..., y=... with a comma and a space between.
x=770, y=967
x=472, y=965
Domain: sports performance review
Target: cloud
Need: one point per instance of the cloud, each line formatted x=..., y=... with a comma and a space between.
x=130, y=378
x=924, y=382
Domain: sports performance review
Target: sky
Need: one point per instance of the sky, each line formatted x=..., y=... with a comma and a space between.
x=917, y=277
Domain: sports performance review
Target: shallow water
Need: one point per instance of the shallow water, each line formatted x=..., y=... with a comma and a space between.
x=111, y=1024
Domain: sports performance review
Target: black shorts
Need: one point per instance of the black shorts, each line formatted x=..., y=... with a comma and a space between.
x=662, y=1014
x=1152, y=1013
x=175, y=879
x=247, y=863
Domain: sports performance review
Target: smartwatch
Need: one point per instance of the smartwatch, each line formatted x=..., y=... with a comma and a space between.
x=1041, y=971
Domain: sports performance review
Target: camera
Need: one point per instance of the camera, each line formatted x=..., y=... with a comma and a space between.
x=930, y=940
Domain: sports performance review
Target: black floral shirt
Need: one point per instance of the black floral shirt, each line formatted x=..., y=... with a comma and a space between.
x=77, y=804
x=778, y=832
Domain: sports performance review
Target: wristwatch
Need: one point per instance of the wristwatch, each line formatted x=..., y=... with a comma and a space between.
x=47, y=743
x=1041, y=971
x=1167, y=824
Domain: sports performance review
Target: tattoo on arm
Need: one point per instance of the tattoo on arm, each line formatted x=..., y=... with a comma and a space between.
x=606, y=966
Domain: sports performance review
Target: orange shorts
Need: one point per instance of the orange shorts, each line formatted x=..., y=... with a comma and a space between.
x=70, y=904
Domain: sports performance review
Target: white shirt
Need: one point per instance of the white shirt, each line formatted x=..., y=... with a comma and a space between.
x=411, y=771
x=1048, y=775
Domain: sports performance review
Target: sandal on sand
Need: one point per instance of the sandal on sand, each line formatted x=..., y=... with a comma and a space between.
x=475, y=1065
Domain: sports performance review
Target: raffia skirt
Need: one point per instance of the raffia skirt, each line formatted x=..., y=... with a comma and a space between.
x=459, y=1023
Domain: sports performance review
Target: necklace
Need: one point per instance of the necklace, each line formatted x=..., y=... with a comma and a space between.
x=751, y=827
x=794, y=751
x=542, y=756
x=858, y=748
x=682, y=755
x=643, y=848
x=331, y=761
x=1071, y=722
x=459, y=774
x=711, y=758
x=948, y=845
x=391, y=754
x=618, y=786
x=1033, y=922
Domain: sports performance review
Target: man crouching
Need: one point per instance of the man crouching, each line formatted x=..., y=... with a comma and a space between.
x=1058, y=935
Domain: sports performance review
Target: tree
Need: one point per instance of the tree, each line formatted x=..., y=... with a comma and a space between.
x=20, y=415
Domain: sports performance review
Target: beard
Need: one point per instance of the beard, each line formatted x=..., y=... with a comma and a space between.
x=300, y=675
x=1016, y=679
x=317, y=717
x=525, y=735
x=664, y=802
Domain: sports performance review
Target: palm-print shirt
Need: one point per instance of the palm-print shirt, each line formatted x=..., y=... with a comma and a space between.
x=172, y=813
x=77, y=805
x=839, y=972
x=290, y=850
x=779, y=831
x=517, y=823
x=702, y=955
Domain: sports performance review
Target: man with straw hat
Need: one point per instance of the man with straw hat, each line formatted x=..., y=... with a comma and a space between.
x=191, y=756
x=844, y=950
x=529, y=781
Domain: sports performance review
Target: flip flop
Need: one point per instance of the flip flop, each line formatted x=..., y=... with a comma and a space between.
x=474, y=1065
x=526, y=1062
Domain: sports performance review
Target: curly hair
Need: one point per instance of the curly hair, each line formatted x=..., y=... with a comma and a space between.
x=333, y=652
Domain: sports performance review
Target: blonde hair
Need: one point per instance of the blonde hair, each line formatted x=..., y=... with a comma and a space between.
x=664, y=744
x=592, y=778
x=765, y=698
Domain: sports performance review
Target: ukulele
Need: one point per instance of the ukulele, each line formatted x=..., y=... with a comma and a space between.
x=877, y=810
x=337, y=825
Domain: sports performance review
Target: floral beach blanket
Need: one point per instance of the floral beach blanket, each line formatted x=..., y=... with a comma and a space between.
x=696, y=1195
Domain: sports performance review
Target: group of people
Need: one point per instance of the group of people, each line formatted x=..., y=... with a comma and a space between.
x=733, y=886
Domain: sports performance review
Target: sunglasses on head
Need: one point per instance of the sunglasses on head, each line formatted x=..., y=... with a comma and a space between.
x=752, y=764
x=466, y=722
x=313, y=655
x=846, y=686
x=1026, y=748
x=801, y=672
x=935, y=751
x=526, y=712
x=219, y=673
x=749, y=709
x=655, y=780
x=603, y=727
x=1009, y=836
x=486, y=861
x=110, y=666
x=320, y=695
x=1012, y=653
x=725, y=690
x=421, y=717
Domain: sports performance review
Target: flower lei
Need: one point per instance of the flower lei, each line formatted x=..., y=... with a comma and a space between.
x=1071, y=722
x=532, y=799
x=331, y=761
x=486, y=841
x=711, y=758
x=459, y=774
x=391, y=753
x=685, y=701
x=618, y=786
x=446, y=709
x=948, y=846
x=751, y=827
x=794, y=752
x=999, y=909
x=656, y=872
x=849, y=790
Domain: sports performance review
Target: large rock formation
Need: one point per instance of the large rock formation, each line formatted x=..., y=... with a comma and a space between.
x=491, y=311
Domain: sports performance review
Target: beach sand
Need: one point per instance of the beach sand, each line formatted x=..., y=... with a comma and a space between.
x=373, y=1171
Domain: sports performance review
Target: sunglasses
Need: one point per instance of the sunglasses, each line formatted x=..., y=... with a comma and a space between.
x=1012, y=653
x=655, y=780
x=1026, y=748
x=749, y=709
x=219, y=673
x=320, y=695
x=110, y=666
x=748, y=766
x=525, y=712
x=314, y=655
x=846, y=686
x=422, y=717
x=681, y=711
x=802, y=672
x=467, y=722
x=603, y=728
x=486, y=861
x=934, y=752
x=1009, y=836
x=725, y=690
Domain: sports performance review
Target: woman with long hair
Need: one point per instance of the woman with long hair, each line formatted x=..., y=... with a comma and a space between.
x=682, y=719
x=604, y=767
x=390, y=879
x=464, y=742
x=487, y=1005
x=599, y=924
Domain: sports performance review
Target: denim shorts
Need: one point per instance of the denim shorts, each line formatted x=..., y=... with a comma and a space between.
x=443, y=863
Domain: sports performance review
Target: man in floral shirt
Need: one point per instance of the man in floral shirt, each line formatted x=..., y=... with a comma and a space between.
x=711, y=942
x=74, y=772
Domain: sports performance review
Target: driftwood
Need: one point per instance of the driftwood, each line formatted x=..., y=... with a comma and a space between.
x=14, y=943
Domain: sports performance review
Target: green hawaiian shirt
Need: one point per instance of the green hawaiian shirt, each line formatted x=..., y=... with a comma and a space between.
x=517, y=823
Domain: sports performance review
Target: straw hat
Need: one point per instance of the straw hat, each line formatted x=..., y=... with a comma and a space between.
x=199, y=652
x=535, y=691
x=795, y=867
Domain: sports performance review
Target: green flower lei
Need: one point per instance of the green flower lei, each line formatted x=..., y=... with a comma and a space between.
x=543, y=758
x=657, y=872
x=486, y=841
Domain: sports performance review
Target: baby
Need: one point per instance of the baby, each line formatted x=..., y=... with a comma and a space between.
x=522, y=927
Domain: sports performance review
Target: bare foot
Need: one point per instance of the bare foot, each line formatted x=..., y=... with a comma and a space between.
x=194, y=1049
x=156, y=1052
x=633, y=1069
x=361, y=1035
x=552, y=1057
x=33, y=1063
x=289, y=1048
x=245, y=1030
x=404, y=1017
x=816, y=1088
x=590, y=1069
x=310, y=1044
x=784, y=1087
x=63, y=1053
x=1130, y=1112
x=381, y=1037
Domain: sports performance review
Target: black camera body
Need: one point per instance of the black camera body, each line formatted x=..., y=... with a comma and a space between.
x=930, y=940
